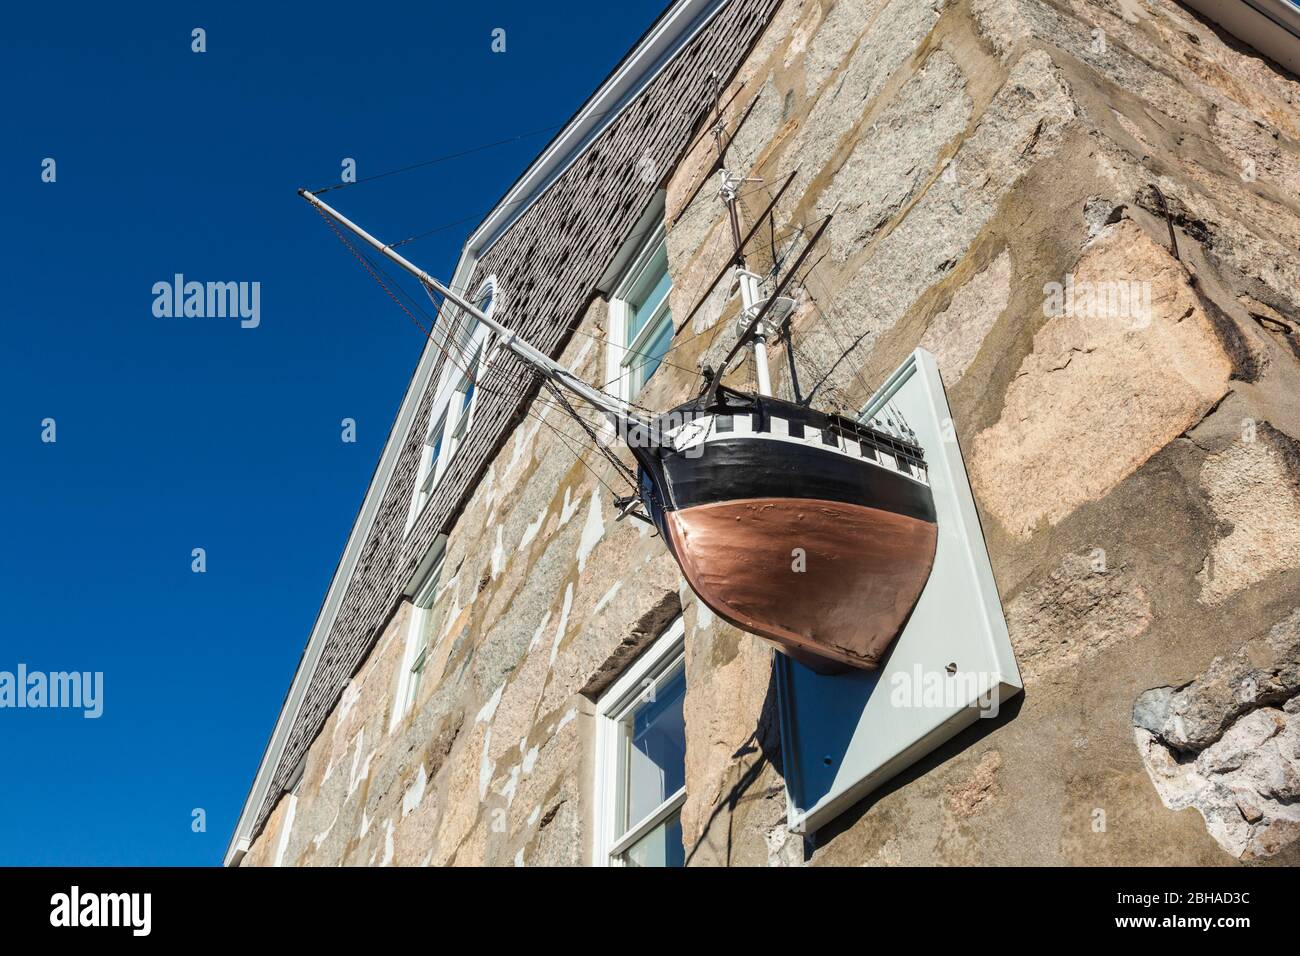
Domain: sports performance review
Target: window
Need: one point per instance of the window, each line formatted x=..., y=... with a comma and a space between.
x=454, y=404
x=463, y=401
x=431, y=464
x=419, y=642
x=641, y=759
x=641, y=322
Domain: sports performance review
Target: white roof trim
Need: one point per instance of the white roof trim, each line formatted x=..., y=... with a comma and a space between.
x=670, y=33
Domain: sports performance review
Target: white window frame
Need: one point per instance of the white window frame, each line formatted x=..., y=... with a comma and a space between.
x=613, y=706
x=622, y=356
x=413, y=650
x=473, y=340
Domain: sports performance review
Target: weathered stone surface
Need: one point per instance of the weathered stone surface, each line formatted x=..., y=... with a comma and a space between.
x=1184, y=45
x=1081, y=608
x=728, y=679
x=1100, y=394
x=1257, y=149
x=896, y=154
x=1253, y=487
x=559, y=838
x=1265, y=671
x=1008, y=24
x=1023, y=124
x=1245, y=777
x=966, y=800
x=896, y=32
x=835, y=37
x=700, y=265
x=1243, y=233
x=956, y=334
x=760, y=126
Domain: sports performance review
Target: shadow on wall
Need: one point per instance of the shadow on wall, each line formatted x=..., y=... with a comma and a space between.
x=766, y=742
x=963, y=741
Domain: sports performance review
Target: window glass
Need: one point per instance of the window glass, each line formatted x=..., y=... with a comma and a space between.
x=647, y=318
x=435, y=449
x=652, y=353
x=648, y=292
x=415, y=652
x=641, y=758
x=655, y=747
x=662, y=846
x=466, y=392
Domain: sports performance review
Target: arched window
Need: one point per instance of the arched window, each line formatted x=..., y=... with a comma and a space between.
x=455, y=399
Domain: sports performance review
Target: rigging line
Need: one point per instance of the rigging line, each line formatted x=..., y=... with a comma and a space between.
x=829, y=326
x=572, y=327
x=449, y=348
x=459, y=154
x=686, y=214
x=708, y=106
x=581, y=459
x=455, y=313
x=457, y=354
x=453, y=351
x=717, y=162
x=771, y=231
x=731, y=262
x=857, y=372
x=450, y=343
x=447, y=351
x=567, y=438
x=595, y=337
x=762, y=312
x=482, y=147
x=443, y=228
x=366, y=265
x=646, y=359
x=376, y=270
x=613, y=459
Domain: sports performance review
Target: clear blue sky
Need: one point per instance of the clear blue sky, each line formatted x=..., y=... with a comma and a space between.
x=180, y=433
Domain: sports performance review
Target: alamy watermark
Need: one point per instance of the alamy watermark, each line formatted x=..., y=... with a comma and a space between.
x=947, y=689
x=209, y=300
x=1124, y=300
x=683, y=431
x=128, y=910
x=75, y=690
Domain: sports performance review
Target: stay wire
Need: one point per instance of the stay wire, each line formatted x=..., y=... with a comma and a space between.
x=451, y=352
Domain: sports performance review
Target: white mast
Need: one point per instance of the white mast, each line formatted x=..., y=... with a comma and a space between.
x=751, y=304
x=749, y=300
x=553, y=370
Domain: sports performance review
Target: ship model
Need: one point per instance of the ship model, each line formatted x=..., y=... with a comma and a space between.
x=807, y=528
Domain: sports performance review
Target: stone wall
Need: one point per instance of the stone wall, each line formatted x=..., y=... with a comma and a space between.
x=1131, y=443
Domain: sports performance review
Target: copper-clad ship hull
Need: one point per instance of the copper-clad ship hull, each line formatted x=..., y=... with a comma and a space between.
x=842, y=596
x=810, y=530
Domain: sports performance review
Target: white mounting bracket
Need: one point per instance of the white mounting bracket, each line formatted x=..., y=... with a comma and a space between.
x=844, y=735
